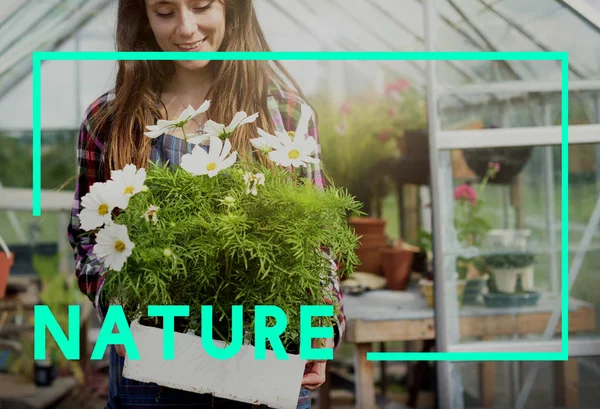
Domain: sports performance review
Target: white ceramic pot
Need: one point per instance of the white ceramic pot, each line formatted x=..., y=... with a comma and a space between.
x=506, y=278
x=507, y=238
x=271, y=382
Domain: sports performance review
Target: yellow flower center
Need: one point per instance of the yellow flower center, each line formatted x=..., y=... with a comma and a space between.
x=211, y=166
x=119, y=246
x=293, y=154
x=129, y=190
x=103, y=209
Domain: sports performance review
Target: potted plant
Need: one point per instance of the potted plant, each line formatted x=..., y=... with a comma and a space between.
x=519, y=298
x=507, y=238
x=511, y=159
x=355, y=138
x=426, y=285
x=6, y=261
x=217, y=231
x=507, y=268
x=472, y=229
x=397, y=263
x=407, y=110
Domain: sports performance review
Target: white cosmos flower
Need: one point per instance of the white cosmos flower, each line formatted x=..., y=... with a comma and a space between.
x=212, y=128
x=98, y=205
x=151, y=214
x=293, y=148
x=252, y=182
x=163, y=125
x=295, y=152
x=266, y=142
x=199, y=162
x=127, y=182
x=113, y=246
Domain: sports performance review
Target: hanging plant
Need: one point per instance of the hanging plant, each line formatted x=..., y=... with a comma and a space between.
x=512, y=160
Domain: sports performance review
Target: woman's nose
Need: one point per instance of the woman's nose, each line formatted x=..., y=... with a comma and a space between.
x=187, y=24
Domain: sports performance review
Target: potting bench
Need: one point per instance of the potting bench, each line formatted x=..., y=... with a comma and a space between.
x=390, y=316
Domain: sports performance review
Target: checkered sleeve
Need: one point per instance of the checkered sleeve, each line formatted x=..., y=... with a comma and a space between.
x=290, y=109
x=88, y=268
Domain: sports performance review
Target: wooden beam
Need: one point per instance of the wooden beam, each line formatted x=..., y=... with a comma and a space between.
x=22, y=199
x=487, y=381
x=566, y=387
x=365, y=377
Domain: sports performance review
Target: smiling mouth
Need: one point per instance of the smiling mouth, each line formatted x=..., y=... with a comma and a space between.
x=192, y=46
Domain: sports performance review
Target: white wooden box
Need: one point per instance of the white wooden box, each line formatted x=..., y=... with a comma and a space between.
x=273, y=382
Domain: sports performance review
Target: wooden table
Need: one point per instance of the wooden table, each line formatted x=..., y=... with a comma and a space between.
x=389, y=316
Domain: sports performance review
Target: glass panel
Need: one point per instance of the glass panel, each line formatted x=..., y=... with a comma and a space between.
x=549, y=391
x=509, y=244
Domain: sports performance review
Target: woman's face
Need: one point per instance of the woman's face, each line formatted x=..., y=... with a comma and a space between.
x=187, y=25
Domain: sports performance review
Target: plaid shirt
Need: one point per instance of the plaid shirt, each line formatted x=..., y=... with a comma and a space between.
x=284, y=108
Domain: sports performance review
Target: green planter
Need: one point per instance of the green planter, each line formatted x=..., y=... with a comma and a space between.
x=503, y=300
x=473, y=290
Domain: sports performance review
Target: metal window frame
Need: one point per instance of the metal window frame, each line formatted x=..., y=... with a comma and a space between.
x=440, y=143
x=585, y=11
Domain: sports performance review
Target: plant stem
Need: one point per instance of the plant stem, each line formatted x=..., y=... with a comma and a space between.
x=187, y=147
x=227, y=268
x=219, y=333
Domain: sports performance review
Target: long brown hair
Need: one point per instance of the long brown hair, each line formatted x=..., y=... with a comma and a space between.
x=138, y=84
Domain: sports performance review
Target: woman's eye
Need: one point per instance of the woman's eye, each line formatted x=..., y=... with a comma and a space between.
x=203, y=8
x=163, y=15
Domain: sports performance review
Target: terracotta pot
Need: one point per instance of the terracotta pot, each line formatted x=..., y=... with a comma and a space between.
x=5, y=265
x=367, y=225
x=396, y=264
x=369, y=252
x=372, y=240
x=369, y=241
x=370, y=260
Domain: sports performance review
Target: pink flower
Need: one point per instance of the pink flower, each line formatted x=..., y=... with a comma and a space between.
x=495, y=166
x=392, y=113
x=384, y=136
x=345, y=108
x=465, y=192
x=398, y=86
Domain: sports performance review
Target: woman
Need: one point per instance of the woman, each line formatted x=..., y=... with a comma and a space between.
x=112, y=135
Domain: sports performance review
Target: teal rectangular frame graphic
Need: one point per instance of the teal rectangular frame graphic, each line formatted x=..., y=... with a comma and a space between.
x=562, y=57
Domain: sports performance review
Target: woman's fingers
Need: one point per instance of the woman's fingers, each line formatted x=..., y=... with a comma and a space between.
x=120, y=350
x=314, y=375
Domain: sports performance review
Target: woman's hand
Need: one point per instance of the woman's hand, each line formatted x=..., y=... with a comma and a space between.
x=120, y=350
x=315, y=371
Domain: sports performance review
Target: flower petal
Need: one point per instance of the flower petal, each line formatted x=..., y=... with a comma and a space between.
x=213, y=128
x=186, y=114
x=237, y=120
x=216, y=145
x=199, y=139
x=229, y=161
x=226, y=150
x=203, y=108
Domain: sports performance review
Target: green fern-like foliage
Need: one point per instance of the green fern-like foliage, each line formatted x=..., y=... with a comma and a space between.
x=260, y=250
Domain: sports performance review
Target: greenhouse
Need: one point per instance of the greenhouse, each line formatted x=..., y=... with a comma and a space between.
x=479, y=228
